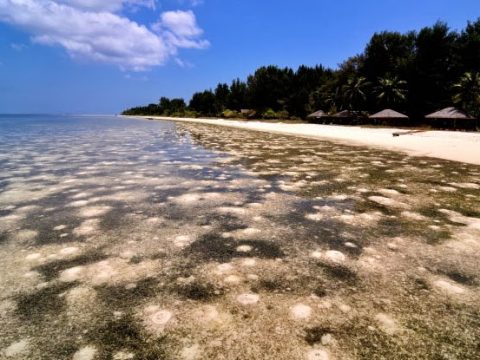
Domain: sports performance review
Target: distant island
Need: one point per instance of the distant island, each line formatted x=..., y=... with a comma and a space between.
x=415, y=73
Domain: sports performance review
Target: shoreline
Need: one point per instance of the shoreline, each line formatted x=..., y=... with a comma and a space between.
x=448, y=145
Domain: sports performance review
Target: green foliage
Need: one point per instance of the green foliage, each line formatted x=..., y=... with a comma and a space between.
x=467, y=93
x=230, y=114
x=191, y=114
x=415, y=73
x=391, y=91
x=354, y=93
x=238, y=95
x=269, y=114
x=388, y=53
x=177, y=106
x=222, y=93
x=469, y=47
x=283, y=115
x=152, y=109
x=204, y=103
x=165, y=107
x=268, y=88
x=436, y=67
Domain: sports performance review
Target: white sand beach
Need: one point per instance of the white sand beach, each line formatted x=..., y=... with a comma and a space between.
x=448, y=145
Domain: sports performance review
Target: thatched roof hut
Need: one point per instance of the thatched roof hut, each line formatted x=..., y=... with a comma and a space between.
x=450, y=113
x=345, y=114
x=451, y=116
x=388, y=114
x=318, y=115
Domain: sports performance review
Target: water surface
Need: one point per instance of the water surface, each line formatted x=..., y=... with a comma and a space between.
x=136, y=239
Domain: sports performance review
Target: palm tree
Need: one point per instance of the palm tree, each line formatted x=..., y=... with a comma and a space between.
x=354, y=92
x=391, y=91
x=467, y=92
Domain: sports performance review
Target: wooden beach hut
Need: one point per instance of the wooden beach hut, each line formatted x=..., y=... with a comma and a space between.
x=452, y=117
x=318, y=116
x=390, y=117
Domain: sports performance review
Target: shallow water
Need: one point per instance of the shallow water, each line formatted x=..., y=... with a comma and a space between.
x=135, y=239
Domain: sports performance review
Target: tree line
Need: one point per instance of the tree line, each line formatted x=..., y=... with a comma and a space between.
x=415, y=73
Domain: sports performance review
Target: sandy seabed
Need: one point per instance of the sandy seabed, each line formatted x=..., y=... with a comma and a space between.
x=165, y=240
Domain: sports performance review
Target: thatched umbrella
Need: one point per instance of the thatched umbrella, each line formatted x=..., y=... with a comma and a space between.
x=388, y=114
x=345, y=114
x=318, y=115
x=450, y=113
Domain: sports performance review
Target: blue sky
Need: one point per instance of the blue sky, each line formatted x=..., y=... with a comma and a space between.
x=101, y=56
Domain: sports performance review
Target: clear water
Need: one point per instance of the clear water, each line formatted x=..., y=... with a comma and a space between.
x=136, y=239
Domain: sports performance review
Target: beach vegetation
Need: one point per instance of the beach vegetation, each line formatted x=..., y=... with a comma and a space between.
x=269, y=114
x=222, y=93
x=416, y=73
x=238, y=95
x=391, y=90
x=191, y=113
x=204, y=103
x=467, y=93
x=230, y=114
x=355, y=92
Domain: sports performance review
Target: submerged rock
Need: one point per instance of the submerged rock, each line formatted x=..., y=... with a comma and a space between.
x=244, y=248
x=33, y=257
x=385, y=201
x=190, y=352
x=248, y=299
x=386, y=323
x=72, y=274
x=317, y=354
x=335, y=256
x=448, y=287
x=85, y=353
x=156, y=320
x=326, y=339
x=17, y=348
x=249, y=262
x=120, y=355
x=300, y=312
x=233, y=279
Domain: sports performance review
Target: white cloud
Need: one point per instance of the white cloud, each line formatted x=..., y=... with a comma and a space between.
x=97, y=30
x=183, y=63
x=180, y=29
x=107, y=5
x=181, y=23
